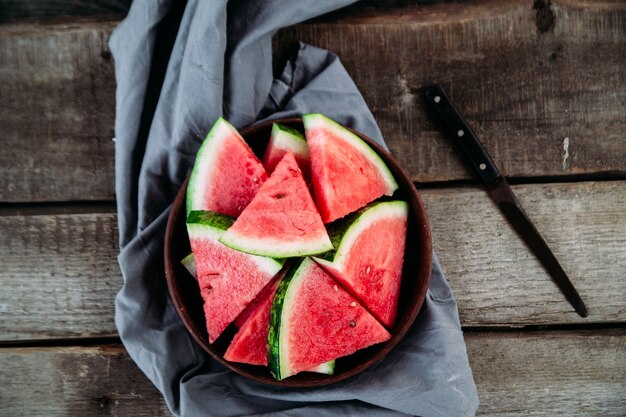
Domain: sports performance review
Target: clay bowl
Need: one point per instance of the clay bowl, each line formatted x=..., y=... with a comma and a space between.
x=185, y=293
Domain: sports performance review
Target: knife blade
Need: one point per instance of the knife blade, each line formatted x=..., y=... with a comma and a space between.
x=500, y=192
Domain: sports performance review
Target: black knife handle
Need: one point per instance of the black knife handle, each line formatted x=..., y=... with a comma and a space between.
x=461, y=132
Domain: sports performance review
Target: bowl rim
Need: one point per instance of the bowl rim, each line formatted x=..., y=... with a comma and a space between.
x=423, y=271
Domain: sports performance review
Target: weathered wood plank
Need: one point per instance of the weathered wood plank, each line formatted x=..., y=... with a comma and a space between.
x=75, y=381
x=497, y=280
x=550, y=373
x=59, y=275
x=12, y=10
x=524, y=91
x=58, y=95
x=59, y=272
x=517, y=374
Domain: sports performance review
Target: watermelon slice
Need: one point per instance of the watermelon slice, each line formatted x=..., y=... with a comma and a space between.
x=282, y=140
x=369, y=255
x=226, y=174
x=228, y=279
x=313, y=320
x=346, y=173
x=281, y=221
x=250, y=343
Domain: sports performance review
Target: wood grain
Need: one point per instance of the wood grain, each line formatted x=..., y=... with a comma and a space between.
x=12, y=10
x=556, y=373
x=75, y=381
x=58, y=94
x=543, y=87
x=553, y=373
x=60, y=274
x=524, y=91
x=498, y=281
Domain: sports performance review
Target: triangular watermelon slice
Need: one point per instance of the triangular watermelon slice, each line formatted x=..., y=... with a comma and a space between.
x=226, y=174
x=346, y=172
x=314, y=320
x=282, y=140
x=228, y=279
x=281, y=220
x=250, y=343
x=369, y=255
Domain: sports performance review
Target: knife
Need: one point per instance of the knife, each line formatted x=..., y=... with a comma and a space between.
x=500, y=192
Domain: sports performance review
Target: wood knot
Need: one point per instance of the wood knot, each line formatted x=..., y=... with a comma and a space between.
x=556, y=53
x=544, y=15
x=104, y=403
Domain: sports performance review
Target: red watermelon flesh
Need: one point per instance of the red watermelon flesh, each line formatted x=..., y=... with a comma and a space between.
x=282, y=140
x=369, y=256
x=190, y=264
x=346, y=172
x=226, y=174
x=254, y=304
x=281, y=220
x=250, y=343
x=314, y=320
x=229, y=280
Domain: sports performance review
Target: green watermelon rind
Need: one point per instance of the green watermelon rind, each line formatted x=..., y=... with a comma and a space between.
x=273, y=334
x=189, y=262
x=278, y=349
x=336, y=231
x=201, y=173
x=316, y=120
x=327, y=368
x=209, y=218
x=344, y=232
x=276, y=248
x=212, y=225
x=289, y=139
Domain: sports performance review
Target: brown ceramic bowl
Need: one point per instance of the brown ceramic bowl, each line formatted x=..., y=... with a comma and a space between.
x=415, y=277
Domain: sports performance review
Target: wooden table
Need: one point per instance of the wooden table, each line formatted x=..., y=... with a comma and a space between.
x=543, y=86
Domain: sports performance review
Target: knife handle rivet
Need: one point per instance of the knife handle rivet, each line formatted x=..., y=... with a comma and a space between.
x=437, y=99
x=460, y=133
x=482, y=167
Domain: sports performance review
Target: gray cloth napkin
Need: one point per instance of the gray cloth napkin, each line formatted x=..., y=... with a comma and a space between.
x=220, y=64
